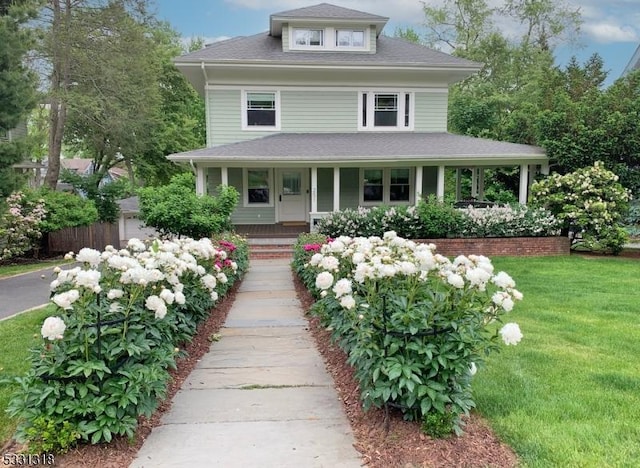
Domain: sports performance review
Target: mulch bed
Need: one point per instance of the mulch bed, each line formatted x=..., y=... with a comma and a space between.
x=401, y=444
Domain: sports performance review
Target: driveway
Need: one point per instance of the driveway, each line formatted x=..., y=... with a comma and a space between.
x=26, y=291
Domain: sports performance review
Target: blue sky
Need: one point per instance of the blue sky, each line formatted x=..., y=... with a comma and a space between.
x=611, y=27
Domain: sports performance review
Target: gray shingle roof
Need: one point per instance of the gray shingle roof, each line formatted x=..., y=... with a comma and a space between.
x=263, y=48
x=326, y=10
x=345, y=147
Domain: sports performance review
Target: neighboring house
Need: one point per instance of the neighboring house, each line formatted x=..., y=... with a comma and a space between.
x=32, y=170
x=129, y=222
x=84, y=166
x=323, y=112
x=634, y=63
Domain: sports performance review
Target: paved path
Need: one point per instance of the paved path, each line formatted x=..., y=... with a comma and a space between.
x=26, y=291
x=261, y=396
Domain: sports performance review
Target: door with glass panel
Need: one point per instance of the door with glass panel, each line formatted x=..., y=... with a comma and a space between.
x=292, y=196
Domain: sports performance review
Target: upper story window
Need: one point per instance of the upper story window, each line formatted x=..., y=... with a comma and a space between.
x=349, y=38
x=385, y=111
x=308, y=37
x=261, y=110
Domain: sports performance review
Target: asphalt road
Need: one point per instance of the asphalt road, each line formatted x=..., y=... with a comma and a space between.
x=26, y=291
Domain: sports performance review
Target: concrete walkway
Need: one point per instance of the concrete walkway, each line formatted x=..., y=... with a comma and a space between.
x=261, y=396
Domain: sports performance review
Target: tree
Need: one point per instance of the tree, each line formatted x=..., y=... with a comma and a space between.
x=17, y=84
x=77, y=35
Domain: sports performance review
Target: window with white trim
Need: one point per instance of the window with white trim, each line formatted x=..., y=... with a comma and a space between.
x=393, y=186
x=308, y=37
x=385, y=111
x=260, y=110
x=257, y=187
x=349, y=38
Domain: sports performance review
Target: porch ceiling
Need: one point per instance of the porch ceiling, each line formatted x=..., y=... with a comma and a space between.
x=363, y=147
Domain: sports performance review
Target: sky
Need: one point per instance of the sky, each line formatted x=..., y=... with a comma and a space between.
x=610, y=27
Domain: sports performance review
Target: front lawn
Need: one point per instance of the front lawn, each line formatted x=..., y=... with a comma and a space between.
x=10, y=270
x=569, y=393
x=17, y=335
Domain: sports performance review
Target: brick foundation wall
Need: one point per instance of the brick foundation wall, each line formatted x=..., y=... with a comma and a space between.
x=493, y=246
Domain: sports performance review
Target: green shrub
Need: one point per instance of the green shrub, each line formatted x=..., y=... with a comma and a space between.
x=103, y=195
x=508, y=221
x=66, y=210
x=175, y=209
x=439, y=219
x=120, y=319
x=590, y=202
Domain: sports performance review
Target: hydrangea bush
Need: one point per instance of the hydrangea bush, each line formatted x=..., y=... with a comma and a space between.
x=416, y=326
x=20, y=225
x=120, y=320
x=590, y=202
x=508, y=221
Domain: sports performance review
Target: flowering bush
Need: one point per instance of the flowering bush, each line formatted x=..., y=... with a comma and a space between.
x=508, y=221
x=120, y=320
x=20, y=225
x=415, y=325
x=590, y=202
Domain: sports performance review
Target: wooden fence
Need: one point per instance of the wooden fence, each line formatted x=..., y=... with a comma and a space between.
x=96, y=236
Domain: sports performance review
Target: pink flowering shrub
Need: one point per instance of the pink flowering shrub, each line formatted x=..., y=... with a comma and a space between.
x=20, y=225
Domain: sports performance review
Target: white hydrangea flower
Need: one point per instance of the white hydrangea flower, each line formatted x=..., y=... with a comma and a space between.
x=342, y=287
x=157, y=305
x=53, y=328
x=511, y=334
x=214, y=296
x=222, y=278
x=478, y=277
x=167, y=296
x=473, y=368
x=90, y=256
x=517, y=295
x=115, y=307
x=209, y=282
x=358, y=258
x=389, y=235
x=136, y=245
x=348, y=302
x=179, y=297
x=324, y=280
x=408, y=268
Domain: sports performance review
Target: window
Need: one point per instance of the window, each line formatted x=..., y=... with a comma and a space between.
x=258, y=187
x=308, y=37
x=261, y=110
x=373, y=185
x=400, y=185
x=349, y=38
x=392, y=186
x=386, y=111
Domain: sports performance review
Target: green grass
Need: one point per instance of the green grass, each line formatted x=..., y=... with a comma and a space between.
x=17, y=336
x=10, y=270
x=569, y=394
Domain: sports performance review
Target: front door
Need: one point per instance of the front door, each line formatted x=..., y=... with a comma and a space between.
x=292, y=195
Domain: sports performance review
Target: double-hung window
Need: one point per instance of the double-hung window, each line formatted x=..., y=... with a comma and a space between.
x=257, y=183
x=349, y=38
x=261, y=110
x=385, y=111
x=308, y=37
x=386, y=186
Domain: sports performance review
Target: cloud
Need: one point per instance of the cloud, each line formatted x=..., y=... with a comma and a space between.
x=397, y=10
x=609, y=31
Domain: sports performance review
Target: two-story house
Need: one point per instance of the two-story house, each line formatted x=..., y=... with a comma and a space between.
x=323, y=112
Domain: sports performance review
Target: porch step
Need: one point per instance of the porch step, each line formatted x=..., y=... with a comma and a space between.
x=271, y=248
x=262, y=254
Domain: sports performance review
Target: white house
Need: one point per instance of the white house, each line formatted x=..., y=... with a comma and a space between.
x=323, y=112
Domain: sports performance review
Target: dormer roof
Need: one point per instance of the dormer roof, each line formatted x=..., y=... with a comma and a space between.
x=324, y=13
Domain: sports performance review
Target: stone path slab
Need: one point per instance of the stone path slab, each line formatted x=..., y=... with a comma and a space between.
x=261, y=396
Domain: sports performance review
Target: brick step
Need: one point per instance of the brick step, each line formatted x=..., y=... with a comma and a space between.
x=265, y=254
x=271, y=247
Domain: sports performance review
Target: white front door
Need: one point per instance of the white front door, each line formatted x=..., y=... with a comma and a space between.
x=292, y=195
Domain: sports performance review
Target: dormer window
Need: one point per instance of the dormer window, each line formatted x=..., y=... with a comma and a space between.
x=349, y=38
x=308, y=37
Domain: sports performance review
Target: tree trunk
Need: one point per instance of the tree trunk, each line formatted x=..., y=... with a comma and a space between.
x=60, y=81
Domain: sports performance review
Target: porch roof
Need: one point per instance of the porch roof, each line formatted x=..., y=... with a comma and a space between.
x=344, y=148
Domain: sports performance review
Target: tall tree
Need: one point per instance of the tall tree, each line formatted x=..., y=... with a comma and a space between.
x=17, y=83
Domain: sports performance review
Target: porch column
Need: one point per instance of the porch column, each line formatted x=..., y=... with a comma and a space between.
x=524, y=185
x=458, y=184
x=533, y=170
x=418, y=184
x=481, y=183
x=224, y=175
x=336, y=188
x=200, y=181
x=440, y=185
x=314, y=189
x=474, y=182
x=544, y=168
